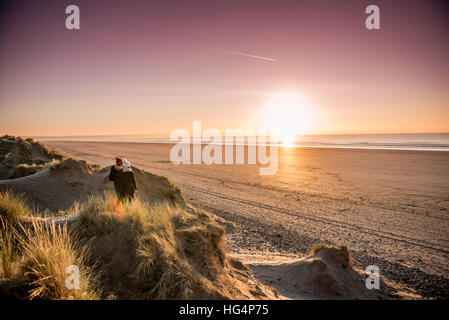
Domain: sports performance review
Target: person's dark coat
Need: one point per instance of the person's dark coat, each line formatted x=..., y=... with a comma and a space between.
x=124, y=183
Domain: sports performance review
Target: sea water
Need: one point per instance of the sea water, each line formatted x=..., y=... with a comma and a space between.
x=406, y=141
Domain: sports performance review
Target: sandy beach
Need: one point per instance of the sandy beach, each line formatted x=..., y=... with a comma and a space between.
x=389, y=207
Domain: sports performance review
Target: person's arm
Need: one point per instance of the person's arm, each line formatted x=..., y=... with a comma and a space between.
x=133, y=181
x=112, y=174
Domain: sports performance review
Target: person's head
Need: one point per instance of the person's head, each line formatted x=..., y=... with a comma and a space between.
x=118, y=161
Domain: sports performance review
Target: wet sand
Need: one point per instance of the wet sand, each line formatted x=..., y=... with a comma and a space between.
x=391, y=208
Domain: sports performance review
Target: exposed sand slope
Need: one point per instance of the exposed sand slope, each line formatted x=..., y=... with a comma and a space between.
x=327, y=274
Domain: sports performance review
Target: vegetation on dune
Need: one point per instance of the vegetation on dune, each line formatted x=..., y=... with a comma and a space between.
x=70, y=164
x=160, y=252
x=37, y=256
x=318, y=247
x=49, y=252
x=129, y=251
x=26, y=149
x=9, y=250
x=22, y=157
x=12, y=206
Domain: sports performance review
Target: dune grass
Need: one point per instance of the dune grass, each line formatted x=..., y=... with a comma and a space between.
x=318, y=247
x=100, y=211
x=9, y=250
x=132, y=250
x=95, y=204
x=12, y=206
x=38, y=255
x=48, y=251
x=159, y=252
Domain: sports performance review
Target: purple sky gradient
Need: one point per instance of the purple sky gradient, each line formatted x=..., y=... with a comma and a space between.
x=145, y=67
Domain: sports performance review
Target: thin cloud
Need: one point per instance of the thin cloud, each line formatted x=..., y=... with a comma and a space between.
x=244, y=54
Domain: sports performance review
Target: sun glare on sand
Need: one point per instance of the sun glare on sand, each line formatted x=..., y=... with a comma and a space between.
x=288, y=115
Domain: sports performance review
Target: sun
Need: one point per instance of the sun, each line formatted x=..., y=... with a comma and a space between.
x=287, y=114
x=287, y=138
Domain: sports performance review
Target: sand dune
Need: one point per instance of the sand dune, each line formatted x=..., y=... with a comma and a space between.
x=21, y=157
x=327, y=274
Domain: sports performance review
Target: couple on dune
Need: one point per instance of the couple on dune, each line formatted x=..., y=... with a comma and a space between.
x=123, y=177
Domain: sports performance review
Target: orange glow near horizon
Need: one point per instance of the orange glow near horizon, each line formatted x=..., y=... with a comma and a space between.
x=288, y=114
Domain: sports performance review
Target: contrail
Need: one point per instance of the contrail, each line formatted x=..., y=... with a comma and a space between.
x=244, y=54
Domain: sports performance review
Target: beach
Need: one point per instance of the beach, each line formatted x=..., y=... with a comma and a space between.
x=389, y=207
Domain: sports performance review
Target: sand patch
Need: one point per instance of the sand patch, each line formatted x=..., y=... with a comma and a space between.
x=328, y=274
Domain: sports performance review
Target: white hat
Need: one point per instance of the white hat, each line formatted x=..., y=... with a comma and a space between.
x=126, y=165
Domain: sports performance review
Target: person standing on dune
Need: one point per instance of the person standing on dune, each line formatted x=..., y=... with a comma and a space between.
x=124, y=181
x=129, y=180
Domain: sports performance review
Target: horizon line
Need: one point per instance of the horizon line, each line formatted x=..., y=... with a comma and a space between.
x=160, y=135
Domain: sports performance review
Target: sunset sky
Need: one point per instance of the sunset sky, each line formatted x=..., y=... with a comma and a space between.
x=148, y=67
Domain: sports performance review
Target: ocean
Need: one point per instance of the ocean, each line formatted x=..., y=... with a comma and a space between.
x=408, y=141
x=414, y=141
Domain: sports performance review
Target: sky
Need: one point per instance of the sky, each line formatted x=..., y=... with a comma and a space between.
x=149, y=67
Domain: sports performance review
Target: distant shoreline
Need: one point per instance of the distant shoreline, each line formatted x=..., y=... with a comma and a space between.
x=403, y=142
x=354, y=147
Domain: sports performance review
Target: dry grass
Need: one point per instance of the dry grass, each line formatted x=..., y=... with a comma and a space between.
x=95, y=204
x=340, y=253
x=161, y=261
x=129, y=251
x=9, y=250
x=180, y=254
x=164, y=273
x=318, y=247
x=48, y=250
x=102, y=213
x=12, y=206
x=152, y=252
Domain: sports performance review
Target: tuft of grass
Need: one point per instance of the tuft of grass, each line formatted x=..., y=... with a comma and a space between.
x=9, y=251
x=177, y=253
x=135, y=212
x=318, y=247
x=157, y=218
x=96, y=204
x=161, y=268
x=12, y=206
x=346, y=257
x=74, y=209
x=48, y=251
x=101, y=210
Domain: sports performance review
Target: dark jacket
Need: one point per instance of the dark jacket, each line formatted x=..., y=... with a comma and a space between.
x=124, y=182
